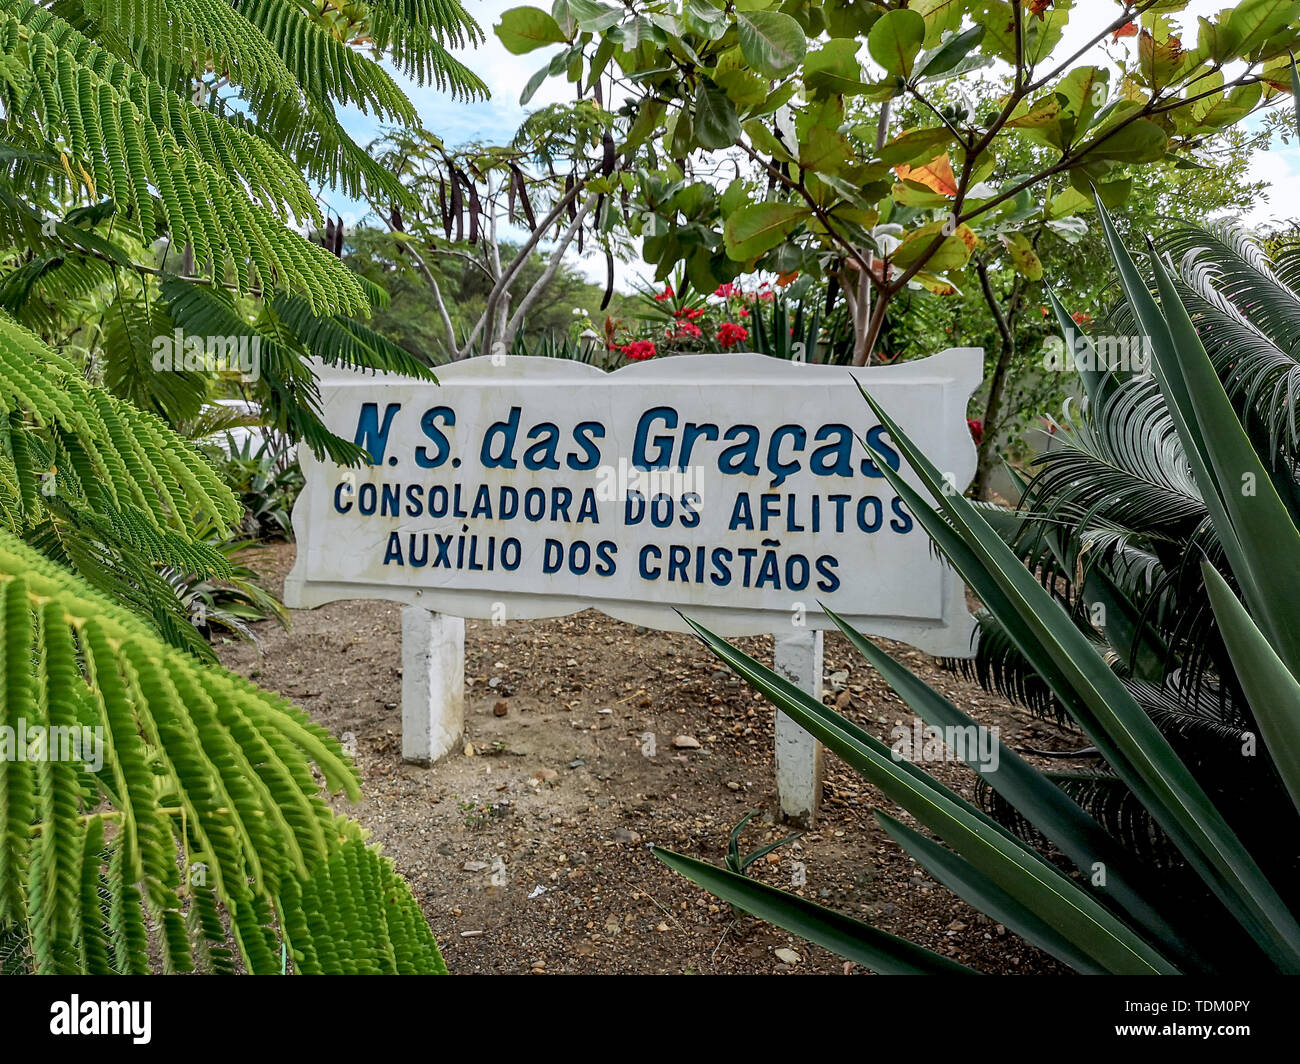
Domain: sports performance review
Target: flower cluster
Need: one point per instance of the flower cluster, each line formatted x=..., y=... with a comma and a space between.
x=732, y=335
x=637, y=350
x=687, y=322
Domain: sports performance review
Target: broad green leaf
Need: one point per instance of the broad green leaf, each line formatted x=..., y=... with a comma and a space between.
x=758, y=228
x=1253, y=21
x=1070, y=201
x=941, y=16
x=1046, y=112
x=1139, y=141
x=593, y=16
x=1023, y=256
x=716, y=123
x=823, y=150
x=743, y=87
x=916, y=146
x=1217, y=39
x=1085, y=90
x=834, y=69
x=682, y=138
x=523, y=29
x=952, y=254
x=895, y=40
x=773, y=42
x=950, y=53
x=534, y=83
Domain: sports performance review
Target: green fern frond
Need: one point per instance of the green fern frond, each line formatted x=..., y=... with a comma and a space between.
x=417, y=35
x=353, y=913
x=130, y=456
x=286, y=387
x=182, y=29
x=323, y=64
x=344, y=341
x=219, y=189
x=195, y=761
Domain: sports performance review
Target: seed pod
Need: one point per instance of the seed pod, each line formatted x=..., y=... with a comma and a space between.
x=609, y=279
x=457, y=208
x=517, y=176
x=607, y=160
x=475, y=209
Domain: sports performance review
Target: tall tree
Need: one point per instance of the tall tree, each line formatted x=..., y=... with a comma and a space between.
x=878, y=206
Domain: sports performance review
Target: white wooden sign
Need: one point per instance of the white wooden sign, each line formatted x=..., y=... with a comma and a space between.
x=731, y=487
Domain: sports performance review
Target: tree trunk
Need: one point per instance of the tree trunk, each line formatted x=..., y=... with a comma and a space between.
x=864, y=339
x=986, y=450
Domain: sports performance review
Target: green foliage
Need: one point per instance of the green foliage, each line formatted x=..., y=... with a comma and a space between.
x=266, y=481
x=157, y=161
x=1116, y=921
x=1114, y=522
x=857, y=166
x=737, y=862
x=204, y=822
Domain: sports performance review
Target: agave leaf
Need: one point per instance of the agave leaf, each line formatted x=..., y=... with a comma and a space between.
x=978, y=890
x=1037, y=799
x=1100, y=704
x=868, y=946
x=1271, y=690
x=989, y=847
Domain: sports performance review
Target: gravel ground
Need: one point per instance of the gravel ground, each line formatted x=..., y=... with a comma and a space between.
x=528, y=849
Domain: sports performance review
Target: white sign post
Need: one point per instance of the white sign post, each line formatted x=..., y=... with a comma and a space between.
x=733, y=488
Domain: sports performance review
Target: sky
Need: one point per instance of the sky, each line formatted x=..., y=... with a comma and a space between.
x=496, y=119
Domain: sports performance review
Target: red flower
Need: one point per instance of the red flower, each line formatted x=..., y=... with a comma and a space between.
x=730, y=334
x=666, y=294
x=724, y=291
x=976, y=427
x=743, y=312
x=1080, y=318
x=685, y=331
x=639, y=350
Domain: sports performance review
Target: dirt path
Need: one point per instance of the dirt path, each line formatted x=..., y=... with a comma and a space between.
x=528, y=851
